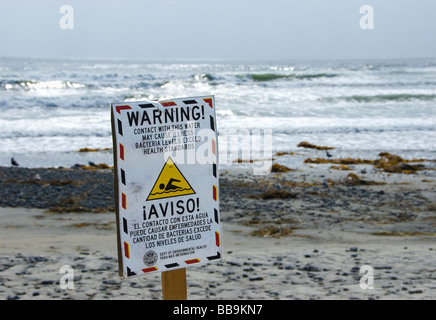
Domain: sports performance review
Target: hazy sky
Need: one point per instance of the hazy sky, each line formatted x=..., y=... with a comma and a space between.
x=254, y=29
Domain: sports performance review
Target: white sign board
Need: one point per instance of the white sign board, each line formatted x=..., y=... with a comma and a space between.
x=166, y=184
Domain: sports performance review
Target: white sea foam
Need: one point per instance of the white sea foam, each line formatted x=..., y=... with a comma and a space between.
x=51, y=108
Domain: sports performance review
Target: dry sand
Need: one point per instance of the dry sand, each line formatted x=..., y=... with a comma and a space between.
x=310, y=245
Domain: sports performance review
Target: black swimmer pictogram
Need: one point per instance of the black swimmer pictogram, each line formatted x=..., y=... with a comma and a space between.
x=170, y=183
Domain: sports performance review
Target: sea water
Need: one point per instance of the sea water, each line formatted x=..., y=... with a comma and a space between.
x=51, y=108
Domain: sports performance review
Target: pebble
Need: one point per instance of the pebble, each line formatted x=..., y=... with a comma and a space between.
x=255, y=278
x=383, y=267
x=355, y=269
x=76, y=183
x=306, y=277
x=415, y=291
x=35, y=259
x=311, y=268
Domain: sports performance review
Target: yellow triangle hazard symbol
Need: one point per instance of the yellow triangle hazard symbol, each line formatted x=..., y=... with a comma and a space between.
x=170, y=183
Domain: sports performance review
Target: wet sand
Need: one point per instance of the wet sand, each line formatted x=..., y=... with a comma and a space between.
x=302, y=234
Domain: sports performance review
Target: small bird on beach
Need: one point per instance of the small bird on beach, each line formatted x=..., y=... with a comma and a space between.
x=14, y=163
x=328, y=154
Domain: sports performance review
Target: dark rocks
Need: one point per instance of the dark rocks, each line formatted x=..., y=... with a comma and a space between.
x=382, y=267
x=310, y=268
x=331, y=269
x=355, y=269
x=415, y=291
x=255, y=278
x=68, y=188
x=35, y=259
x=111, y=282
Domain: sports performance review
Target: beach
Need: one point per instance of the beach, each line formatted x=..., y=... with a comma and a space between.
x=301, y=234
x=360, y=107
x=292, y=156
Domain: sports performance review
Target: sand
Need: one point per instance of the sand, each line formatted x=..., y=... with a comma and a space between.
x=309, y=240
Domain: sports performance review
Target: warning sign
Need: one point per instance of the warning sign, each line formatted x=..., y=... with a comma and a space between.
x=170, y=183
x=166, y=184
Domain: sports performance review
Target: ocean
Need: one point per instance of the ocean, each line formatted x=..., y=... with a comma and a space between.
x=51, y=108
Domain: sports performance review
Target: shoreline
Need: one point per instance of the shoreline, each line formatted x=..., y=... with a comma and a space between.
x=296, y=235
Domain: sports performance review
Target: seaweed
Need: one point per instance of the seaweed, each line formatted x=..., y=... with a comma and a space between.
x=96, y=225
x=93, y=167
x=341, y=167
x=392, y=163
x=277, y=221
x=279, y=153
x=279, y=168
x=73, y=203
x=387, y=162
x=273, y=231
x=308, y=145
x=93, y=149
x=354, y=180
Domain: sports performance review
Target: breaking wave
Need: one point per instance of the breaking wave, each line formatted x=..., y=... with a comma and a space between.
x=278, y=76
x=40, y=85
x=382, y=98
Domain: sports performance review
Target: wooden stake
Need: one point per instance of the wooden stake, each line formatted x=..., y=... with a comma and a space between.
x=174, y=284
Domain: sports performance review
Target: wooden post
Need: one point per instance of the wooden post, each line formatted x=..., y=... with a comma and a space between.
x=174, y=284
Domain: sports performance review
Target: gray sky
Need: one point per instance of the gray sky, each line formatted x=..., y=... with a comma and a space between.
x=255, y=29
